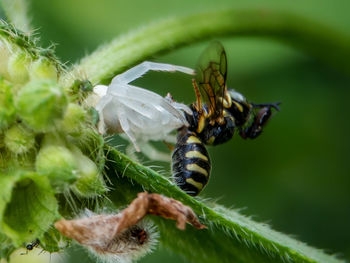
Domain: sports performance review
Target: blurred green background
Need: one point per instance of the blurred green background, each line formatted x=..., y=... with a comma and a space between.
x=296, y=175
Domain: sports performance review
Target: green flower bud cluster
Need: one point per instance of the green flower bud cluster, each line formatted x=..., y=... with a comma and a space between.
x=68, y=168
x=48, y=148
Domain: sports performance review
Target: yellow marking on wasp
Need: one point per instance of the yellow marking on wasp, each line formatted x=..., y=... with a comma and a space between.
x=201, y=124
x=227, y=100
x=193, y=139
x=239, y=106
x=227, y=114
x=224, y=102
x=196, y=168
x=211, y=140
x=196, y=154
x=198, y=185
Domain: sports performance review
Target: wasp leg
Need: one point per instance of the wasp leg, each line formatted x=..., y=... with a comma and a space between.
x=170, y=146
x=198, y=96
x=170, y=138
x=139, y=70
x=154, y=154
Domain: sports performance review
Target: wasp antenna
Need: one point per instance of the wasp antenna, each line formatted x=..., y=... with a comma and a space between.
x=275, y=105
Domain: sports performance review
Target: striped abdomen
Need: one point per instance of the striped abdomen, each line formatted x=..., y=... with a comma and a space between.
x=190, y=163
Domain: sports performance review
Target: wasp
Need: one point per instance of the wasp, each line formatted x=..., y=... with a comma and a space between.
x=215, y=116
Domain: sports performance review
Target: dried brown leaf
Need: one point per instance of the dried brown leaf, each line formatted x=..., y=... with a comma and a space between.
x=121, y=234
x=160, y=205
x=105, y=227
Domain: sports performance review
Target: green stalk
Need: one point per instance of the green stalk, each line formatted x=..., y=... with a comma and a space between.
x=18, y=40
x=302, y=33
x=230, y=237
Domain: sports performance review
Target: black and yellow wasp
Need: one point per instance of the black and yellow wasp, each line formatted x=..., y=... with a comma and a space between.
x=216, y=114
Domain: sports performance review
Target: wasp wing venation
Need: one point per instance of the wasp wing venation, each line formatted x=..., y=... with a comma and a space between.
x=211, y=77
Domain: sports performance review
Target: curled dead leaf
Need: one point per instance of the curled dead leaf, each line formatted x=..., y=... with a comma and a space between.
x=125, y=234
x=99, y=234
x=92, y=226
x=159, y=205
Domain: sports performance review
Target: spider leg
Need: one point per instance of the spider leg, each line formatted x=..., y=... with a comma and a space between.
x=139, y=70
x=99, y=108
x=170, y=138
x=130, y=152
x=177, y=105
x=124, y=123
x=154, y=154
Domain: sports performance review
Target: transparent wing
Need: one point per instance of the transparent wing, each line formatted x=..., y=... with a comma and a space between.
x=211, y=78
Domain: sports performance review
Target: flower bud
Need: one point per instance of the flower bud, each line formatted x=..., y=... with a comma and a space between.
x=41, y=103
x=89, y=183
x=7, y=108
x=74, y=119
x=18, y=67
x=19, y=139
x=43, y=69
x=5, y=54
x=58, y=163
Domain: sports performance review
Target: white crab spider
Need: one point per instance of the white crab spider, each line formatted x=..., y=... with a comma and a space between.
x=139, y=113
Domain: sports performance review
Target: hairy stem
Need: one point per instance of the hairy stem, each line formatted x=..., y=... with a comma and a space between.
x=309, y=36
x=17, y=13
x=231, y=237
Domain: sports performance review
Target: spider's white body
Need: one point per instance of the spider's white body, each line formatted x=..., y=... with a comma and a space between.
x=141, y=114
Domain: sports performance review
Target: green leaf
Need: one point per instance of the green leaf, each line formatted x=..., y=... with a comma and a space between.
x=50, y=241
x=6, y=246
x=230, y=237
x=28, y=206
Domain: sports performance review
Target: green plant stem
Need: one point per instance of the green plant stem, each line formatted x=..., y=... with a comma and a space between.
x=20, y=40
x=307, y=35
x=231, y=237
x=17, y=13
